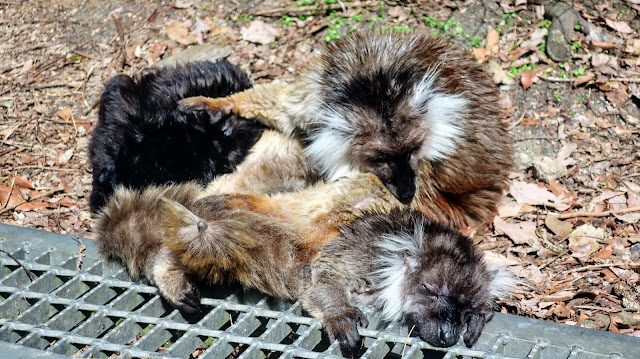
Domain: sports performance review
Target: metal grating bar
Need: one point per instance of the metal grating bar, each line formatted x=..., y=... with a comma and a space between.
x=99, y=311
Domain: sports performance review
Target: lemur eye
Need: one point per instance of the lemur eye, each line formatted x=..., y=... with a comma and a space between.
x=429, y=290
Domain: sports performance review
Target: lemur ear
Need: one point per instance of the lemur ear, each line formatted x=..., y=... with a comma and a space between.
x=410, y=262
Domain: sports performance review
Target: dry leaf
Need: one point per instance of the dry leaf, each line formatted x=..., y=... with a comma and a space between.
x=259, y=32
x=527, y=78
x=65, y=114
x=584, y=240
x=22, y=182
x=65, y=157
x=179, y=32
x=499, y=75
x=519, y=233
x=618, y=95
x=182, y=4
x=493, y=38
x=536, y=38
x=620, y=26
x=560, y=228
x=532, y=194
x=400, y=12
x=633, y=46
x=480, y=53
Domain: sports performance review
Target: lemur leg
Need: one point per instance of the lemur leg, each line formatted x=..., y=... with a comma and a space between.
x=266, y=103
x=326, y=300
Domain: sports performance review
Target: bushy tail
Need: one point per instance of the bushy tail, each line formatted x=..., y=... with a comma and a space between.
x=128, y=227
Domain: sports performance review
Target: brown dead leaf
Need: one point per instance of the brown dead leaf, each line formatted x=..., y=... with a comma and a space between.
x=182, y=4
x=23, y=182
x=533, y=194
x=559, y=227
x=179, y=32
x=33, y=206
x=480, y=53
x=584, y=240
x=519, y=233
x=618, y=95
x=605, y=252
x=259, y=32
x=633, y=46
x=158, y=50
x=584, y=79
x=620, y=26
x=399, y=12
x=65, y=114
x=559, y=296
x=493, y=39
x=65, y=157
x=527, y=78
x=626, y=320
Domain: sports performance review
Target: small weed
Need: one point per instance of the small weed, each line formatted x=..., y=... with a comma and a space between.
x=576, y=45
x=578, y=72
x=563, y=75
x=515, y=71
x=572, y=114
x=204, y=7
x=243, y=18
x=207, y=343
x=430, y=21
x=577, y=27
x=558, y=98
x=301, y=3
x=545, y=23
x=274, y=45
x=581, y=100
x=288, y=20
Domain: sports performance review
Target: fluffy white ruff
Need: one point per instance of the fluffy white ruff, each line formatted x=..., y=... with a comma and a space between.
x=398, y=253
x=441, y=112
x=329, y=144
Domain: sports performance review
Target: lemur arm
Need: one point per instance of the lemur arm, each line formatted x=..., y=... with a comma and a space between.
x=326, y=300
x=266, y=103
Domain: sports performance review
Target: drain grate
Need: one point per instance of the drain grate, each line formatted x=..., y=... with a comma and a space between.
x=98, y=313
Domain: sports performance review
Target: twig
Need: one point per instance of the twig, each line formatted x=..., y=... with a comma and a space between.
x=517, y=122
x=48, y=193
x=536, y=138
x=599, y=214
x=625, y=79
x=88, y=56
x=591, y=307
x=405, y=342
x=40, y=87
x=95, y=103
x=81, y=250
x=121, y=42
x=323, y=8
x=600, y=266
x=30, y=274
x=13, y=180
x=555, y=79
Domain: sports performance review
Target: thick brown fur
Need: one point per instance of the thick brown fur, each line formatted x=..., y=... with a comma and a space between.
x=406, y=265
x=410, y=108
x=129, y=227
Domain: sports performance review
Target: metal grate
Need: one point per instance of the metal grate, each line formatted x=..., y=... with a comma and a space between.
x=98, y=312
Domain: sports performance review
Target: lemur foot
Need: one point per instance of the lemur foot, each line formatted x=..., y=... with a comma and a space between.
x=342, y=324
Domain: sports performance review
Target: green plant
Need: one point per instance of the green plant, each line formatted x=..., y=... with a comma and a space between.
x=300, y=3
x=575, y=45
x=429, y=21
x=515, y=71
x=578, y=72
x=288, y=20
x=558, y=98
x=577, y=27
x=545, y=23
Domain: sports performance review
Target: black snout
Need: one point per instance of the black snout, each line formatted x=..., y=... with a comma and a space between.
x=448, y=335
x=403, y=182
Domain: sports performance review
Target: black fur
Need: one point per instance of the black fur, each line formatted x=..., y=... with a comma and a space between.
x=141, y=138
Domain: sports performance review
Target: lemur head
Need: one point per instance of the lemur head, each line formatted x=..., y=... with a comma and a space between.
x=386, y=103
x=436, y=278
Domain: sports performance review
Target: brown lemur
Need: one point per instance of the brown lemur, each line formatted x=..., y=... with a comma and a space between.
x=410, y=108
x=288, y=246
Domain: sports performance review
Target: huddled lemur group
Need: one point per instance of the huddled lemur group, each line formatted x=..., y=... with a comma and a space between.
x=346, y=187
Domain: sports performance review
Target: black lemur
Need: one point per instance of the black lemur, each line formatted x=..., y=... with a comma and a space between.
x=142, y=139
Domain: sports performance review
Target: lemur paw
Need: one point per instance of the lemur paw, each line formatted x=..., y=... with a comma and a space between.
x=201, y=103
x=342, y=325
x=178, y=289
x=475, y=324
